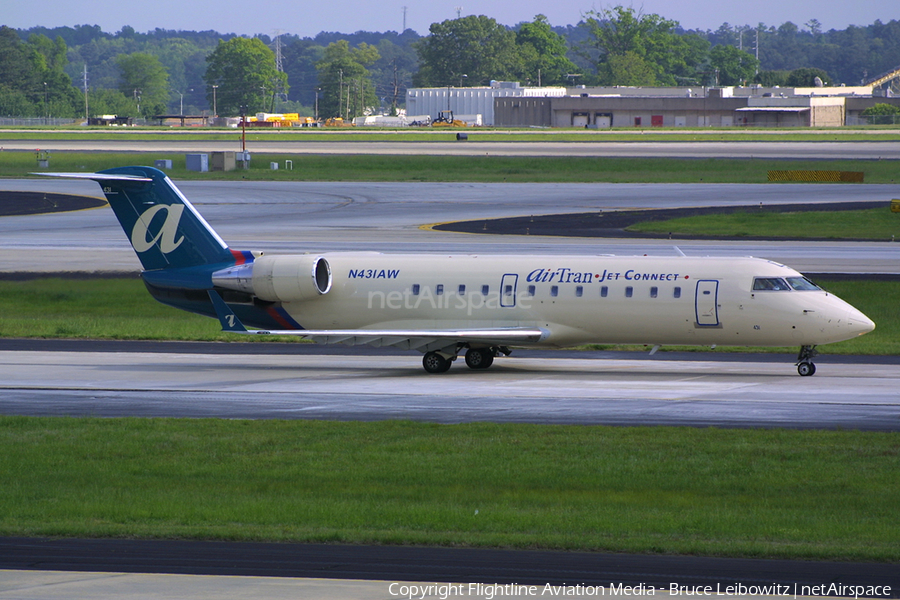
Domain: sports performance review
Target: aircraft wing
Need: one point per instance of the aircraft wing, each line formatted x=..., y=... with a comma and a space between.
x=423, y=340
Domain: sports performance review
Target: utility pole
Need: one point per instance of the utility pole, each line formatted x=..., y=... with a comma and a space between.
x=85, y=94
x=757, y=50
x=396, y=86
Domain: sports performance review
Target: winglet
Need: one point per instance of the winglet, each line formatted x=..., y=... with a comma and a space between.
x=227, y=318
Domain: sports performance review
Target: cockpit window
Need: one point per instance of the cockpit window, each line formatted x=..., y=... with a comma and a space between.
x=802, y=284
x=770, y=284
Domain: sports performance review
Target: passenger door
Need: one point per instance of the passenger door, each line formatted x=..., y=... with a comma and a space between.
x=706, y=303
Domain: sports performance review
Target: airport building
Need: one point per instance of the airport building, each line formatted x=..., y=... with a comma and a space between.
x=507, y=104
x=468, y=102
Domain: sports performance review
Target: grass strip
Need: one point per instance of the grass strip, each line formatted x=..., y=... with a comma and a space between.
x=123, y=309
x=412, y=135
x=827, y=495
x=515, y=169
x=872, y=224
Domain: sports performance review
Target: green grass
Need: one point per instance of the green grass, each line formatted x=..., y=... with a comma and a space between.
x=872, y=224
x=790, y=494
x=315, y=167
x=119, y=309
x=123, y=309
x=363, y=135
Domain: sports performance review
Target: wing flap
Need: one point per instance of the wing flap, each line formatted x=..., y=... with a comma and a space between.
x=410, y=339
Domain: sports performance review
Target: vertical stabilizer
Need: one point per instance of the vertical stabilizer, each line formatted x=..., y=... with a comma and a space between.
x=162, y=225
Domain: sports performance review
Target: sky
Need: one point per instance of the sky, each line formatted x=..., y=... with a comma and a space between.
x=347, y=16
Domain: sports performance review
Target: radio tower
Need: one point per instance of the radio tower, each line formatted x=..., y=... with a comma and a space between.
x=404, y=20
x=278, y=65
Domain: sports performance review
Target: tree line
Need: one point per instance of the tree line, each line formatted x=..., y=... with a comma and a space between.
x=43, y=71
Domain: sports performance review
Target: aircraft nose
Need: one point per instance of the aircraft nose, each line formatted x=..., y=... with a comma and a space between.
x=859, y=323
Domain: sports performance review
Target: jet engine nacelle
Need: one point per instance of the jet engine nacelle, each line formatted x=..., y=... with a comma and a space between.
x=279, y=278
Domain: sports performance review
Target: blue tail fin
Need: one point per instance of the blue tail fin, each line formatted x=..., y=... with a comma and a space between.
x=162, y=225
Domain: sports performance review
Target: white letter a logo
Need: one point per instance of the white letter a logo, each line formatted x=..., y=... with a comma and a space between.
x=166, y=235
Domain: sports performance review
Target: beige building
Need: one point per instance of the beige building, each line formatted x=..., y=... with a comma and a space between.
x=602, y=108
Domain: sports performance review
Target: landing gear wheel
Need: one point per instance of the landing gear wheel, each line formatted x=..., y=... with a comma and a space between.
x=435, y=363
x=805, y=365
x=479, y=358
x=806, y=369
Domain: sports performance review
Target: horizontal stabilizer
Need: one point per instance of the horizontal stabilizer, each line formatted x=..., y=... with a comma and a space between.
x=97, y=176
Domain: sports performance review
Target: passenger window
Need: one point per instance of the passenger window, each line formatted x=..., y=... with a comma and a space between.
x=677, y=292
x=415, y=289
x=485, y=290
x=654, y=292
x=554, y=290
x=629, y=292
x=439, y=290
x=770, y=284
x=579, y=291
x=462, y=290
x=604, y=291
x=531, y=290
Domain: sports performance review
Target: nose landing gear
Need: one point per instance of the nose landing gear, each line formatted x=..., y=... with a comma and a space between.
x=805, y=365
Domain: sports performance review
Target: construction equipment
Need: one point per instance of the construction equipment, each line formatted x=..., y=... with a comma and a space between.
x=337, y=122
x=445, y=119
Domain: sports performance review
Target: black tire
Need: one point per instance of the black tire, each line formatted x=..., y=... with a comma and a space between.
x=806, y=369
x=479, y=358
x=435, y=363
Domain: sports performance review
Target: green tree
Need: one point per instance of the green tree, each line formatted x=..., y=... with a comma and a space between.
x=60, y=98
x=806, y=77
x=621, y=32
x=346, y=84
x=543, y=53
x=771, y=78
x=32, y=78
x=472, y=50
x=241, y=73
x=111, y=102
x=145, y=79
x=627, y=69
x=882, y=114
x=734, y=66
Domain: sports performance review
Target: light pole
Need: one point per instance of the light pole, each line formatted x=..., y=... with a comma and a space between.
x=318, y=89
x=215, y=108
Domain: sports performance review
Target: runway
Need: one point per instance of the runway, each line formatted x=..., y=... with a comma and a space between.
x=312, y=382
x=237, y=381
x=292, y=217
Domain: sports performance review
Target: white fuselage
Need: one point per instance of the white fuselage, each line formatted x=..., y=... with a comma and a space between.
x=577, y=299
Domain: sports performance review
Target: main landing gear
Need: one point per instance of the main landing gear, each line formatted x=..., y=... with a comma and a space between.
x=476, y=358
x=805, y=365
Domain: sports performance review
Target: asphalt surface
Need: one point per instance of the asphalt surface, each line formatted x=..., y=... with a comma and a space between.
x=613, y=224
x=416, y=564
x=404, y=563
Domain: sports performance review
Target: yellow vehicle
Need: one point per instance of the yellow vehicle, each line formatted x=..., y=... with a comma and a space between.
x=337, y=122
x=445, y=119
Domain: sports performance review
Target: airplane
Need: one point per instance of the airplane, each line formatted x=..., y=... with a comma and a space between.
x=444, y=305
